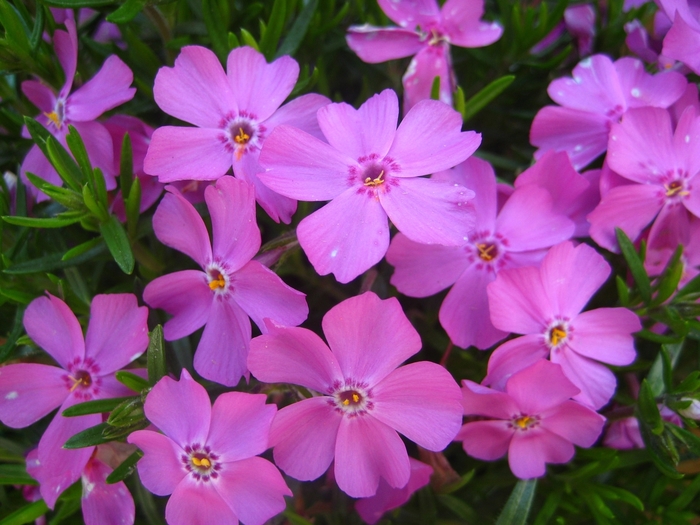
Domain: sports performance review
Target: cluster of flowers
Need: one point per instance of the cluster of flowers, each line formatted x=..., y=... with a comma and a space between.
x=505, y=252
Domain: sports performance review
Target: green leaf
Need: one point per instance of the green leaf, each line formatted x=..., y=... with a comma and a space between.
x=17, y=296
x=669, y=279
x=233, y=42
x=34, y=222
x=77, y=148
x=82, y=248
x=13, y=336
x=689, y=439
x=295, y=519
x=249, y=40
x=92, y=204
x=655, y=377
x=132, y=207
x=622, y=291
x=648, y=409
x=636, y=265
x=458, y=506
x=90, y=437
x=518, y=506
x=124, y=470
x=460, y=103
x=127, y=413
x=216, y=24
x=157, y=367
x=486, y=95
x=51, y=262
x=435, y=89
x=118, y=244
x=549, y=508
x=66, y=167
x=298, y=31
x=126, y=166
x=38, y=133
x=26, y=514
x=691, y=287
x=461, y=482
x=126, y=12
x=688, y=495
x=658, y=451
x=66, y=197
x=97, y=406
x=689, y=384
x=132, y=381
x=78, y=3
x=15, y=474
x=616, y=493
x=271, y=36
x=38, y=30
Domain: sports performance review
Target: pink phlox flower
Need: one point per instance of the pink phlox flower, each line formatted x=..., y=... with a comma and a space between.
x=533, y=420
x=597, y=94
x=207, y=456
x=229, y=289
x=682, y=41
x=234, y=111
x=364, y=400
x=545, y=303
x=388, y=498
x=662, y=164
x=658, y=256
x=579, y=22
x=140, y=136
x=624, y=434
x=426, y=31
x=99, y=499
x=648, y=47
x=370, y=171
x=516, y=235
x=117, y=334
x=106, y=90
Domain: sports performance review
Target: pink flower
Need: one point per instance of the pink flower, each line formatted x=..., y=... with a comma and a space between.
x=107, y=89
x=207, y=455
x=534, y=421
x=229, y=289
x=388, y=498
x=364, y=401
x=99, y=499
x=234, y=112
x=546, y=305
x=682, y=42
x=117, y=335
x=596, y=96
x=427, y=32
x=370, y=171
x=624, y=434
x=515, y=236
x=645, y=149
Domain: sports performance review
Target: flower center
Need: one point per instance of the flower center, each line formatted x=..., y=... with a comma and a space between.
x=557, y=333
x=218, y=279
x=488, y=251
x=352, y=399
x=374, y=175
x=58, y=114
x=242, y=133
x=201, y=462
x=82, y=379
x=525, y=422
x=675, y=188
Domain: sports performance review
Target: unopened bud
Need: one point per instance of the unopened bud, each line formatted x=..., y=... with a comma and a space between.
x=692, y=411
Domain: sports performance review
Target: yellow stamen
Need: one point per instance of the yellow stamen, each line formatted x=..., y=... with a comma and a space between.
x=356, y=397
x=217, y=282
x=53, y=117
x=369, y=181
x=346, y=402
x=557, y=335
x=675, y=188
x=485, y=251
x=523, y=422
x=204, y=462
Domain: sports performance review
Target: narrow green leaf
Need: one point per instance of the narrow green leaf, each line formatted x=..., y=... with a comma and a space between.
x=98, y=406
x=435, y=89
x=616, y=493
x=38, y=30
x=658, y=451
x=669, y=279
x=124, y=470
x=97, y=179
x=457, y=506
x=16, y=296
x=486, y=95
x=688, y=495
x=636, y=265
x=34, y=222
x=13, y=336
x=51, y=262
x=91, y=203
x=233, y=42
x=298, y=31
x=658, y=338
x=667, y=369
x=132, y=207
x=275, y=24
x=126, y=166
x=64, y=196
x=26, y=514
x=461, y=482
x=655, y=377
x=622, y=291
x=127, y=413
x=15, y=29
x=689, y=439
x=648, y=409
x=157, y=367
x=77, y=148
x=548, y=509
x=64, y=164
x=118, y=244
x=90, y=437
x=518, y=506
x=38, y=133
x=460, y=103
x=132, y=381
x=249, y=40
x=82, y=248
x=126, y=12
x=689, y=384
x=691, y=287
x=216, y=23
x=112, y=433
x=15, y=474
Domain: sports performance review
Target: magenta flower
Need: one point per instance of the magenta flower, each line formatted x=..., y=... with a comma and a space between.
x=645, y=149
x=107, y=89
x=234, y=112
x=426, y=31
x=545, y=304
x=682, y=42
x=370, y=171
x=388, y=498
x=207, y=455
x=99, y=499
x=517, y=235
x=117, y=335
x=230, y=288
x=364, y=401
x=596, y=96
x=534, y=421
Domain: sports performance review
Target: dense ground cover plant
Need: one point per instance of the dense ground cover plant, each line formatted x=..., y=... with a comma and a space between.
x=290, y=229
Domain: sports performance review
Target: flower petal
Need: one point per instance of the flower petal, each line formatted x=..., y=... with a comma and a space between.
x=540, y=387
x=346, y=237
x=596, y=382
x=39, y=95
x=366, y=451
x=194, y=503
x=66, y=46
x=487, y=440
x=102, y=503
x=179, y=153
x=370, y=337
x=300, y=113
x=430, y=211
x=254, y=489
x=30, y=391
x=160, y=468
x=642, y=89
x=303, y=436
x=422, y=402
x=463, y=26
x=181, y=409
x=430, y=62
x=51, y=325
x=411, y=13
x=260, y=88
x=117, y=333
x=223, y=349
x=528, y=452
x=513, y=356
x=430, y=139
x=518, y=301
x=379, y=44
x=195, y=89
x=479, y=400
x=177, y=224
x=605, y=334
x=576, y=423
